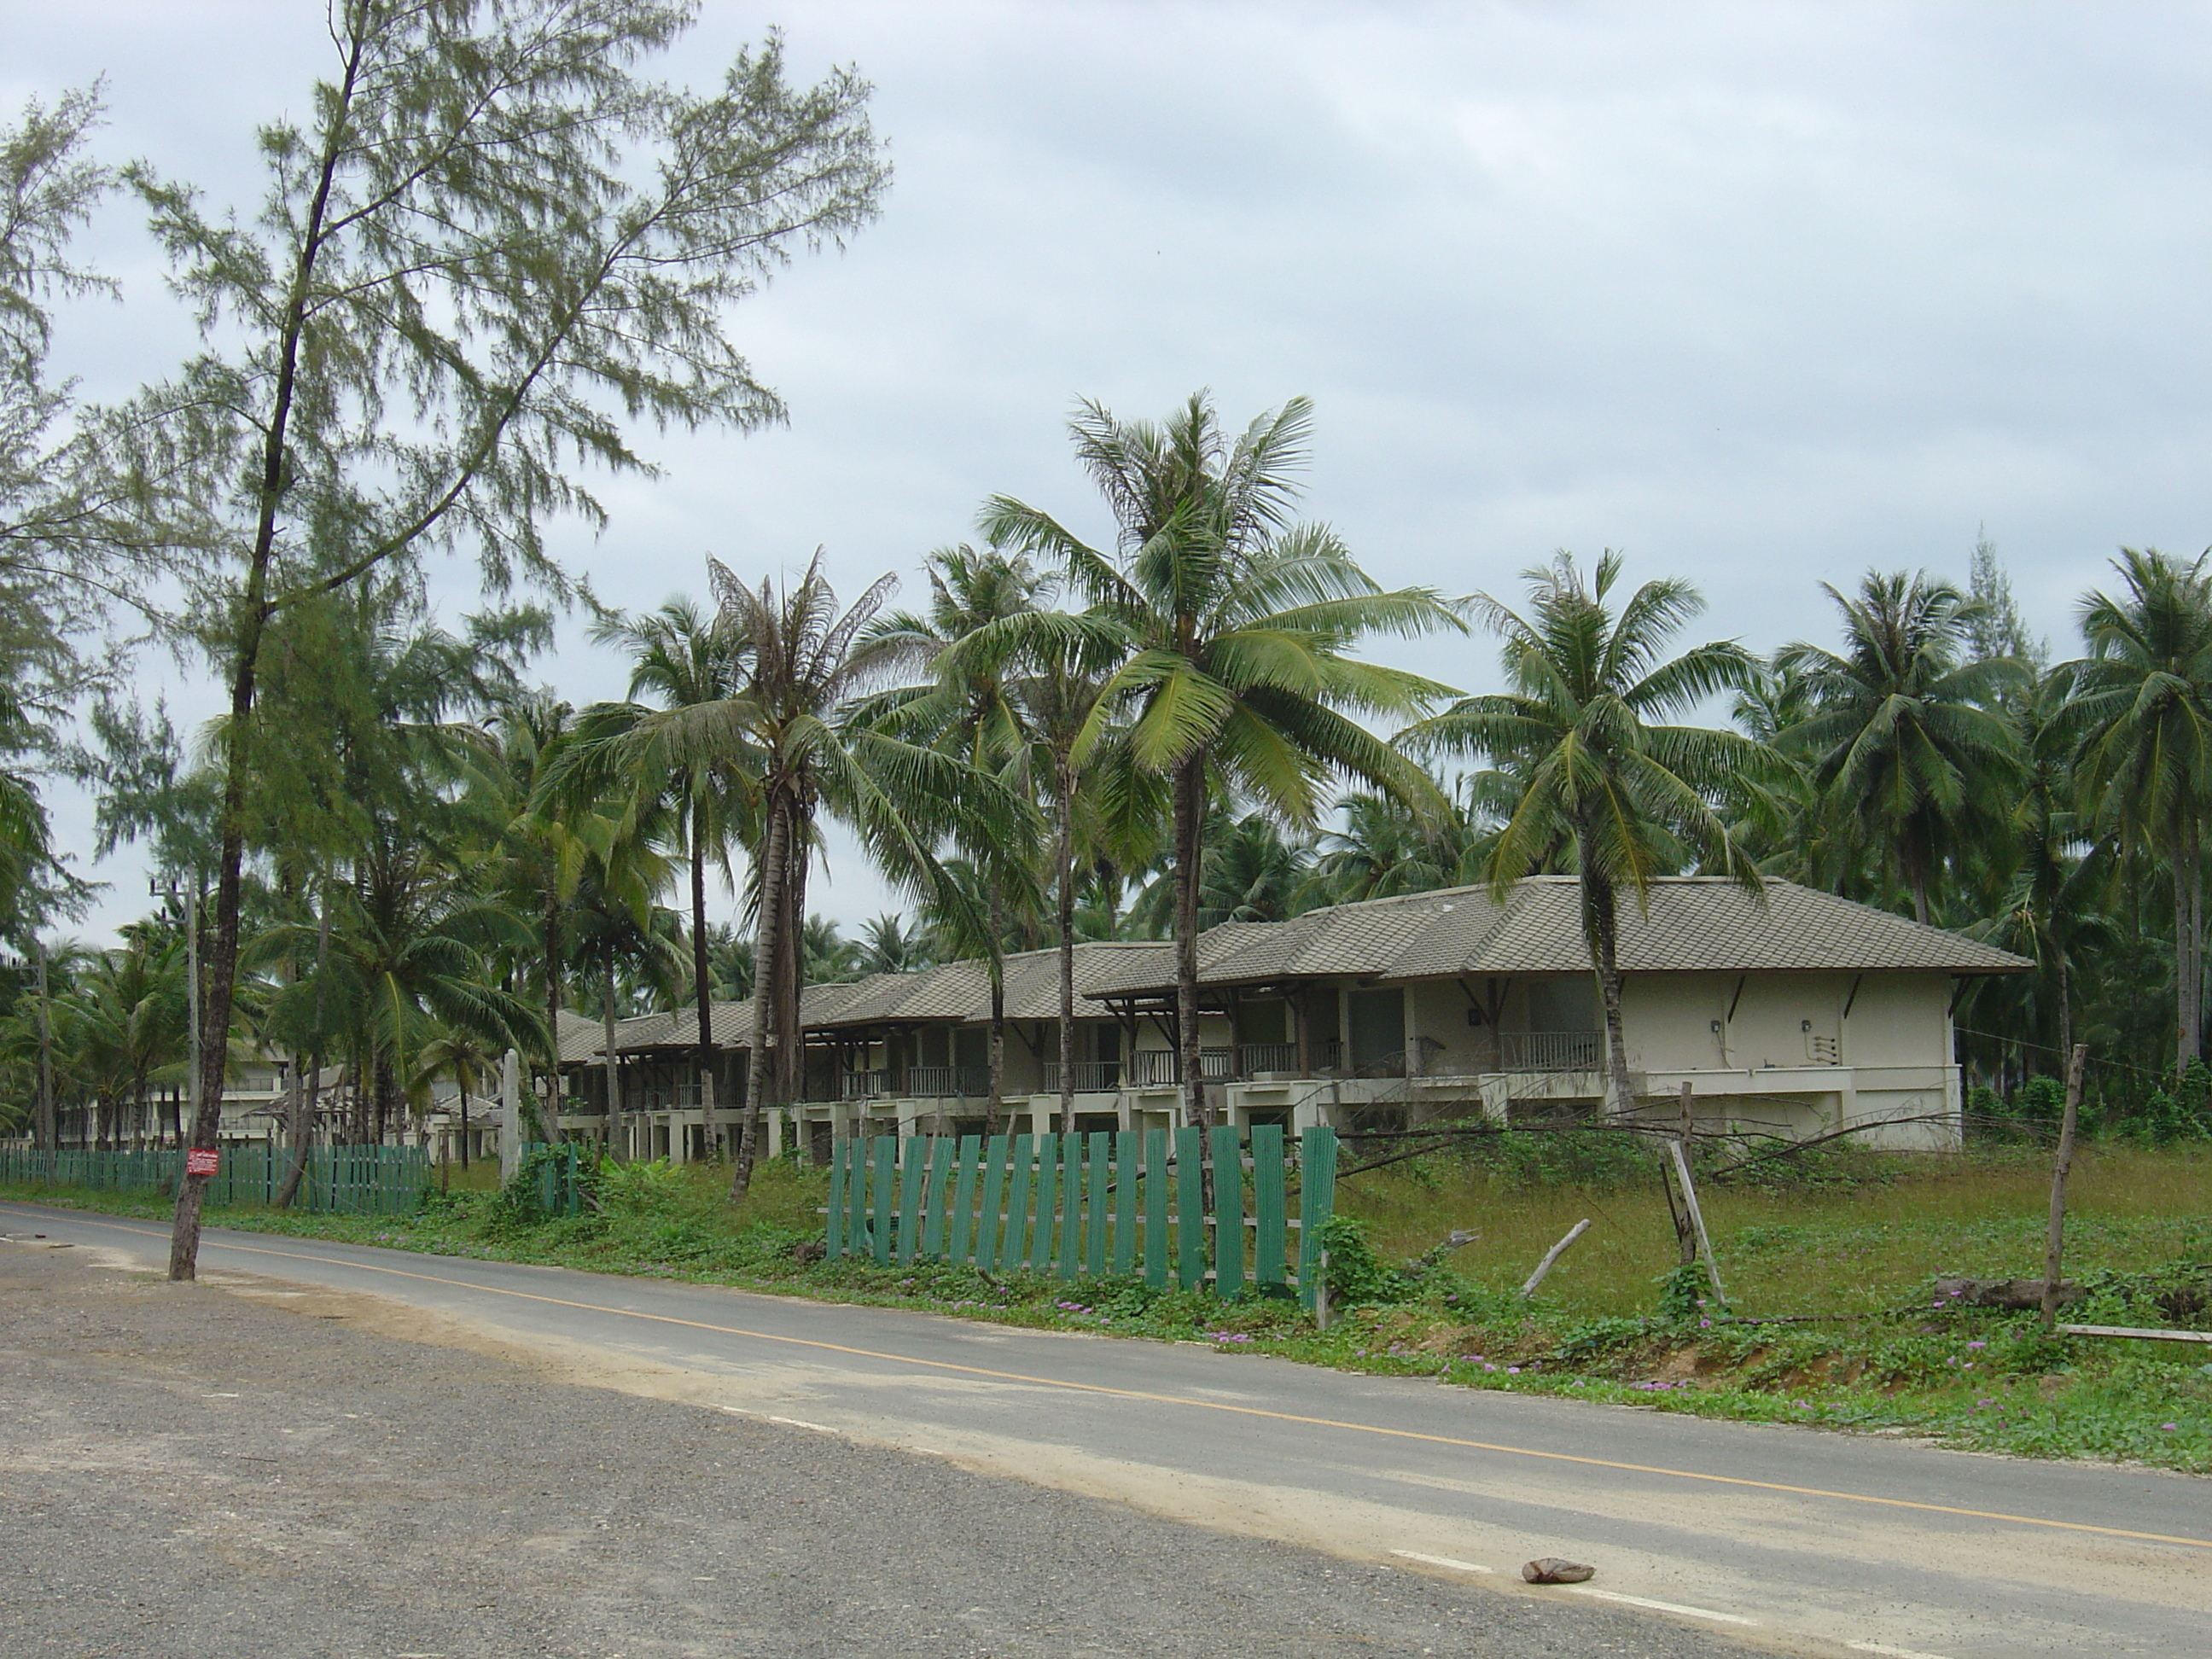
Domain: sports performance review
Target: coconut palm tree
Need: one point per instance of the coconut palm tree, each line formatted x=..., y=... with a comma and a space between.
x=1237, y=626
x=806, y=660
x=685, y=660
x=965, y=707
x=1635, y=798
x=2140, y=715
x=1907, y=740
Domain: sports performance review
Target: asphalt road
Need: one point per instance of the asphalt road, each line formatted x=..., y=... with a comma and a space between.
x=1777, y=1536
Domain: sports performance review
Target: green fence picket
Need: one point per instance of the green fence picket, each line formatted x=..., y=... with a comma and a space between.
x=961, y=1248
x=1228, y=1211
x=1126, y=1142
x=996, y=1162
x=1190, y=1207
x=884, y=1153
x=1268, y=1204
x=1046, y=1206
x=1158, y=1194
x=1094, y=1233
x=940, y=1172
x=1316, y=1203
x=912, y=1168
x=1070, y=1221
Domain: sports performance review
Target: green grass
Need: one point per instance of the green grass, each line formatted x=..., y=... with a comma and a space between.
x=1850, y=1249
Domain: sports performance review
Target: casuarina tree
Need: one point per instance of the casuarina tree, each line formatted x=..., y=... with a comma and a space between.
x=491, y=247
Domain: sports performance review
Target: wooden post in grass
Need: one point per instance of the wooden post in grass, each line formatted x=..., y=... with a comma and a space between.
x=1678, y=1204
x=2075, y=1062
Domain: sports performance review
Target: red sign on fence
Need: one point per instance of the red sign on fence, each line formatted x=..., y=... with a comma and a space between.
x=202, y=1161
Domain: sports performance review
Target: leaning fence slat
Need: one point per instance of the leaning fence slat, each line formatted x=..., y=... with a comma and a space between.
x=885, y=1149
x=961, y=1248
x=997, y=1160
x=912, y=1167
x=1157, y=1196
x=940, y=1172
x=1268, y=1204
x=1190, y=1207
x=1316, y=1203
x=1126, y=1142
x=1228, y=1211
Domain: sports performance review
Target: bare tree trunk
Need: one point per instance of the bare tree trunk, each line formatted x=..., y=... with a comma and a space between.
x=1189, y=828
x=1063, y=852
x=767, y=947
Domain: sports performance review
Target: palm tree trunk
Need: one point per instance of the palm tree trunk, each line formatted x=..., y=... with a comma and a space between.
x=997, y=1109
x=1063, y=853
x=1601, y=926
x=614, y=1066
x=553, y=979
x=2065, y=1006
x=791, y=939
x=2188, y=941
x=303, y=1099
x=766, y=958
x=1189, y=821
x=702, y=981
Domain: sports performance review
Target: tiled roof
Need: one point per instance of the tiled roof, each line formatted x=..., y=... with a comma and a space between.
x=958, y=993
x=1690, y=924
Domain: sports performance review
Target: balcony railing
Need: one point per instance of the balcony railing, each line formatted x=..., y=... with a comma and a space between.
x=1547, y=1051
x=1253, y=1058
x=946, y=1082
x=1092, y=1076
x=864, y=1086
x=1158, y=1068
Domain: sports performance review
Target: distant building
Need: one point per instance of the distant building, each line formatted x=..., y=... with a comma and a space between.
x=1789, y=1012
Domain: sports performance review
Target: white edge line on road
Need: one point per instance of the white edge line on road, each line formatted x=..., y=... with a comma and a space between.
x=1660, y=1607
x=1444, y=1561
x=801, y=1422
x=1893, y=1653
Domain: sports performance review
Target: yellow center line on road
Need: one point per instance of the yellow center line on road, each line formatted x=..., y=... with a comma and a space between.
x=1199, y=1404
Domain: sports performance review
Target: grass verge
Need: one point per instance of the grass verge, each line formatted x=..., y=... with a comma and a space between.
x=1831, y=1321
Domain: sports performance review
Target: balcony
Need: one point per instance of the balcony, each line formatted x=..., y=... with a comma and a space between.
x=1092, y=1076
x=864, y=1086
x=947, y=1082
x=1157, y=1068
x=1548, y=1051
x=1253, y=1058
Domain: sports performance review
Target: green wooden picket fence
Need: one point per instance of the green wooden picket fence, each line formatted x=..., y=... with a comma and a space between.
x=337, y=1181
x=551, y=1167
x=1126, y=1202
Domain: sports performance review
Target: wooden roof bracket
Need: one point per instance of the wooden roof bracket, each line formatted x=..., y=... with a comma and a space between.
x=1737, y=998
x=1851, y=1001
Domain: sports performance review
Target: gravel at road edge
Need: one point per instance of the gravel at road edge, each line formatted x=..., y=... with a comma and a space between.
x=186, y=1473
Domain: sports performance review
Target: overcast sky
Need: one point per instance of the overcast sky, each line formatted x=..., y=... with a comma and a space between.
x=1762, y=295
